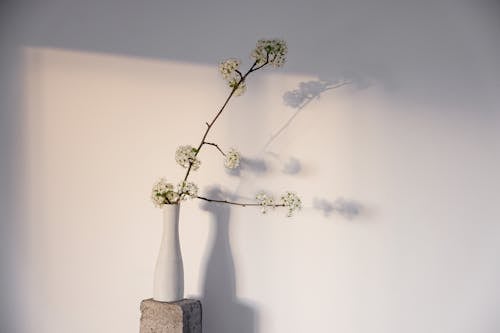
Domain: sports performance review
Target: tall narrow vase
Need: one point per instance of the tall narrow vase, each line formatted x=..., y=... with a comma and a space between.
x=169, y=272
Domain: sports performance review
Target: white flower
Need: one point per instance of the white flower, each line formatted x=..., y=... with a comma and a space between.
x=232, y=160
x=291, y=201
x=172, y=196
x=163, y=193
x=242, y=86
x=265, y=201
x=187, y=190
x=272, y=50
x=228, y=68
x=162, y=186
x=186, y=155
x=157, y=200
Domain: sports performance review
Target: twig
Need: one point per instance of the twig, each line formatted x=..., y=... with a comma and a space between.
x=216, y=146
x=259, y=67
x=253, y=68
x=239, y=73
x=243, y=204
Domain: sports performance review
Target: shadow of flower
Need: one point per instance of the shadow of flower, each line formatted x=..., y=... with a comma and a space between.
x=346, y=208
x=252, y=165
x=299, y=98
x=292, y=166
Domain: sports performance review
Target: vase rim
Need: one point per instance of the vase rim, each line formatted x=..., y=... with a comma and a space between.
x=169, y=206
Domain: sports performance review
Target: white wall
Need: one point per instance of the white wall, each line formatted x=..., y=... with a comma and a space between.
x=97, y=95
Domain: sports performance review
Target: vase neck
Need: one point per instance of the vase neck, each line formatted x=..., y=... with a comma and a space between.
x=170, y=222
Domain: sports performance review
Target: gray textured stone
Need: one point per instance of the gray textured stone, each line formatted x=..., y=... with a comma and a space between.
x=182, y=316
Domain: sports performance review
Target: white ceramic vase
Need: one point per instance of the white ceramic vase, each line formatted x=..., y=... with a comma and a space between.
x=169, y=272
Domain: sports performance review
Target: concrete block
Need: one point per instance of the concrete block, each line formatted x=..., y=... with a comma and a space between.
x=182, y=316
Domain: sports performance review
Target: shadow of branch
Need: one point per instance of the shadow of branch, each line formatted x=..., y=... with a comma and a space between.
x=299, y=98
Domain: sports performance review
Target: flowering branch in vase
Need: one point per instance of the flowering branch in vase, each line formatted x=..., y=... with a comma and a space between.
x=267, y=52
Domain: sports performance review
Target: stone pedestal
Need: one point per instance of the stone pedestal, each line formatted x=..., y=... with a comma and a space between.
x=182, y=316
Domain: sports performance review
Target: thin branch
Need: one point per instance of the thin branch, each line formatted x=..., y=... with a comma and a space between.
x=209, y=125
x=216, y=146
x=265, y=63
x=243, y=204
x=239, y=73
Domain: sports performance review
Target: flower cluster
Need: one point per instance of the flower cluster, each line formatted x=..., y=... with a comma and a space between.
x=186, y=155
x=229, y=71
x=228, y=68
x=291, y=201
x=272, y=51
x=241, y=87
x=187, y=190
x=164, y=194
x=265, y=201
x=232, y=160
x=267, y=52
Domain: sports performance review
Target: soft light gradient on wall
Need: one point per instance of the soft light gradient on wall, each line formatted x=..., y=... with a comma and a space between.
x=398, y=171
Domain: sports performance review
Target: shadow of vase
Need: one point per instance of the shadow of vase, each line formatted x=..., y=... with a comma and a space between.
x=222, y=311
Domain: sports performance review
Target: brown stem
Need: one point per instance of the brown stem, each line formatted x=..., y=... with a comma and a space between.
x=239, y=73
x=216, y=146
x=259, y=67
x=209, y=125
x=243, y=204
